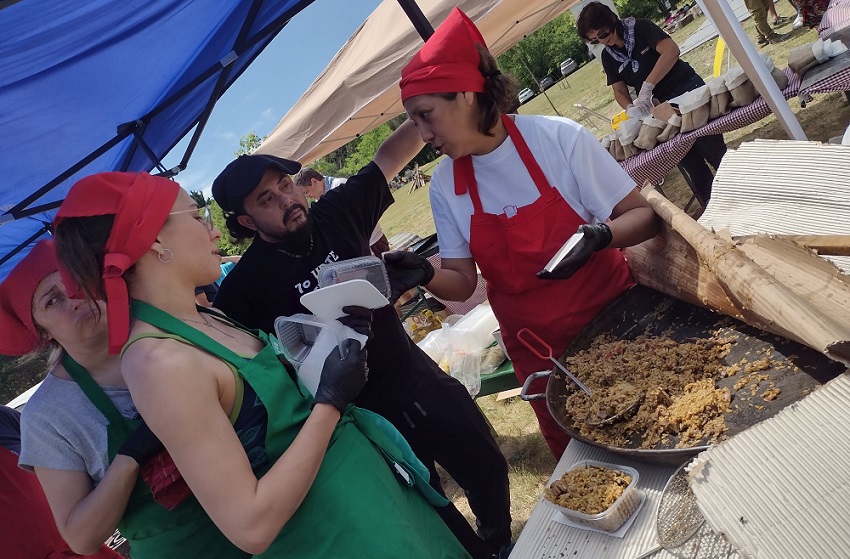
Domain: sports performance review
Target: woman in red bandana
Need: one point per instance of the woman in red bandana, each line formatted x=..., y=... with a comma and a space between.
x=279, y=472
x=512, y=191
x=62, y=437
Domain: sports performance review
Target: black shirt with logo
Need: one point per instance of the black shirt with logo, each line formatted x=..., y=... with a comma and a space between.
x=266, y=284
x=647, y=35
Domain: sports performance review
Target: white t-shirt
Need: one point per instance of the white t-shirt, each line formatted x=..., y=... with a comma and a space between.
x=573, y=160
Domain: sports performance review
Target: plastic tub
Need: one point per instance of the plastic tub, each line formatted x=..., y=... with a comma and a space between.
x=618, y=513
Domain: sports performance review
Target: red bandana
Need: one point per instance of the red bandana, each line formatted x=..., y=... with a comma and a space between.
x=448, y=62
x=16, y=292
x=141, y=204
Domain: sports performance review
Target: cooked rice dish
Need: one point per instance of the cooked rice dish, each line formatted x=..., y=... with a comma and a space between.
x=589, y=490
x=667, y=389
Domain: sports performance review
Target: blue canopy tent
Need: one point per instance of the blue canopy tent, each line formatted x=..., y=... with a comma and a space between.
x=106, y=85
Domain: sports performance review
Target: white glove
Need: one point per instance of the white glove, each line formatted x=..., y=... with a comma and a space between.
x=644, y=99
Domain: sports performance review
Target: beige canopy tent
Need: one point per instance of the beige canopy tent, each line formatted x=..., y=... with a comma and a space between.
x=358, y=90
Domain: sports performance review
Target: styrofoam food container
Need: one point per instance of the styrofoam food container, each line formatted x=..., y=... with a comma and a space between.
x=617, y=514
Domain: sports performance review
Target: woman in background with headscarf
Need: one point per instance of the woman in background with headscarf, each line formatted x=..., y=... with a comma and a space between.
x=640, y=54
x=64, y=438
x=513, y=189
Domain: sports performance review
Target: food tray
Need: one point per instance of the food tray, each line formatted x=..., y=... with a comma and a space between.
x=617, y=514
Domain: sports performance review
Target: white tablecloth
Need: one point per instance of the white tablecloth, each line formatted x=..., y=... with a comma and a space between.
x=542, y=538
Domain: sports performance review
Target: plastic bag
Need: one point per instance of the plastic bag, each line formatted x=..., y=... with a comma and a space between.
x=672, y=128
x=694, y=106
x=435, y=343
x=648, y=136
x=778, y=75
x=742, y=90
x=463, y=359
x=720, y=98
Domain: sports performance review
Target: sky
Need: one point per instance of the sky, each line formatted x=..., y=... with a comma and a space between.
x=263, y=94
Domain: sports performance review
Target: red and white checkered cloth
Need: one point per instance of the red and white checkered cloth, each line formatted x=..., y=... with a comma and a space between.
x=836, y=17
x=653, y=165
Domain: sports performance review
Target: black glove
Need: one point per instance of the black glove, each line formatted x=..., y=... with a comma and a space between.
x=141, y=446
x=596, y=237
x=342, y=378
x=406, y=270
x=358, y=319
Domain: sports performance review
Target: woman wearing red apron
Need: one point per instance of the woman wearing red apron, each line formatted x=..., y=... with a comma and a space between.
x=513, y=191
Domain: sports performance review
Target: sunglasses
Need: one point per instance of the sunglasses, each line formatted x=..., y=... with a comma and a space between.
x=601, y=35
x=203, y=213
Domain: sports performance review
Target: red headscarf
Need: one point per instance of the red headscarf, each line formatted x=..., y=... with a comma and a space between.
x=141, y=204
x=448, y=62
x=16, y=292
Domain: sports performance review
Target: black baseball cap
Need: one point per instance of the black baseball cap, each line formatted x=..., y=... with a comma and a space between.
x=242, y=176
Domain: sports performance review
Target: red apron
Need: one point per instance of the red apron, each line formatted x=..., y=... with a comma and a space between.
x=510, y=251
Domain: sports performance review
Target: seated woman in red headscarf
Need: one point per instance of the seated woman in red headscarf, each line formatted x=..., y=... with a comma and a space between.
x=61, y=437
x=512, y=191
x=280, y=472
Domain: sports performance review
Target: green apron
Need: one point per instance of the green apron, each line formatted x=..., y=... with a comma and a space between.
x=356, y=505
x=153, y=531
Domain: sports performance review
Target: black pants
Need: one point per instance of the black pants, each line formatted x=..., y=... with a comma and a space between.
x=707, y=150
x=445, y=426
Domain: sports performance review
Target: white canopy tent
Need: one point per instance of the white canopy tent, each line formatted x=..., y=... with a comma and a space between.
x=358, y=90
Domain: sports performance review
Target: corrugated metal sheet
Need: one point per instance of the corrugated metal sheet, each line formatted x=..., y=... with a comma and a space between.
x=781, y=489
x=783, y=187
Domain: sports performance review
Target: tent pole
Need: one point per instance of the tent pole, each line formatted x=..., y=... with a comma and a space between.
x=24, y=244
x=724, y=20
x=417, y=18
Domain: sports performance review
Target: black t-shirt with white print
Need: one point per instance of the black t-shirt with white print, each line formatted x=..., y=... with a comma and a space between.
x=266, y=284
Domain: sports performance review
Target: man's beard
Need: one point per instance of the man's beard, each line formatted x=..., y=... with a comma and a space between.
x=299, y=239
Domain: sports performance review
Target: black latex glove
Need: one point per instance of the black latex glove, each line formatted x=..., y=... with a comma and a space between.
x=406, y=270
x=342, y=378
x=596, y=237
x=141, y=446
x=358, y=319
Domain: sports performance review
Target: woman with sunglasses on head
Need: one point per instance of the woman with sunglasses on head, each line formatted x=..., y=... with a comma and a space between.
x=280, y=472
x=641, y=55
x=513, y=190
x=64, y=438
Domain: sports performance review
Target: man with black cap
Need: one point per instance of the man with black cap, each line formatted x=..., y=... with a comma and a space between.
x=291, y=241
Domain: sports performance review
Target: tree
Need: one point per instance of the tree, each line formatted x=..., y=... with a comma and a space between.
x=638, y=8
x=249, y=143
x=365, y=151
x=541, y=52
x=225, y=243
x=199, y=199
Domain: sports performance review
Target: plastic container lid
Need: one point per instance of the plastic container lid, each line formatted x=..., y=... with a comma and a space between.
x=369, y=268
x=618, y=513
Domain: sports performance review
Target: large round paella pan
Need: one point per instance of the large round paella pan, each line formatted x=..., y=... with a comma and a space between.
x=790, y=370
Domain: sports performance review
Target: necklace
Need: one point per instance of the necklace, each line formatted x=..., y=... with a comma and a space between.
x=211, y=324
x=293, y=255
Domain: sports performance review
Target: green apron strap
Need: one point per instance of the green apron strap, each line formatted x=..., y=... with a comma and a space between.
x=93, y=391
x=164, y=321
